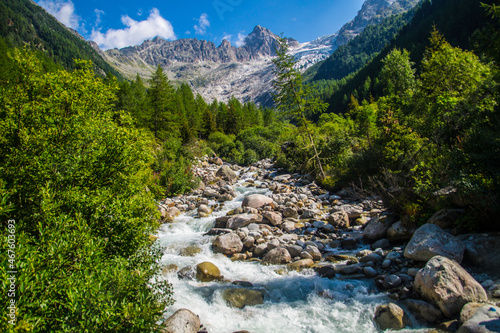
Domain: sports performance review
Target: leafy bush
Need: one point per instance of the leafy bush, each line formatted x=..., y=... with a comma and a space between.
x=74, y=172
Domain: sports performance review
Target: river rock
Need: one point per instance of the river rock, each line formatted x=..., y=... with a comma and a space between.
x=241, y=297
x=300, y=264
x=349, y=243
x=423, y=310
x=370, y=272
x=248, y=242
x=430, y=240
x=227, y=244
x=310, y=214
x=348, y=269
x=256, y=201
x=294, y=250
x=446, y=218
x=373, y=257
x=399, y=232
x=207, y=272
x=290, y=226
x=242, y=220
x=260, y=249
x=277, y=256
x=446, y=284
x=352, y=211
x=339, y=219
x=190, y=251
x=389, y=316
x=313, y=251
x=381, y=244
x=168, y=214
x=469, y=310
x=392, y=281
x=486, y=319
x=227, y=174
x=481, y=250
x=290, y=212
x=187, y=273
x=204, y=211
x=274, y=218
x=182, y=321
x=326, y=271
x=376, y=229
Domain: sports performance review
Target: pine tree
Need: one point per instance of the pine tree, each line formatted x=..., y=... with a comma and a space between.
x=292, y=96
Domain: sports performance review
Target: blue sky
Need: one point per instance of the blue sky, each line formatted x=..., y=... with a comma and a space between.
x=120, y=23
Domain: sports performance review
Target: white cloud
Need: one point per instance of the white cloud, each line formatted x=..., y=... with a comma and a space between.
x=98, y=14
x=203, y=24
x=227, y=37
x=135, y=32
x=241, y=40
x=63, y=11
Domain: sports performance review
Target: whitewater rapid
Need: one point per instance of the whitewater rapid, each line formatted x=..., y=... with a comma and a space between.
x=294, y=301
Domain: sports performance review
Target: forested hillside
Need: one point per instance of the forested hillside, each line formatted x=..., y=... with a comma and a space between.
x=463, y=23
x=352, y=56
x=22, y=22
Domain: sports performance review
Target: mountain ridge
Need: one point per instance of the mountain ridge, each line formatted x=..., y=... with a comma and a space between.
x=245, y=72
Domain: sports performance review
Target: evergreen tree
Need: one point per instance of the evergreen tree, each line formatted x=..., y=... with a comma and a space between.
x=292, y=96
x=162, y=120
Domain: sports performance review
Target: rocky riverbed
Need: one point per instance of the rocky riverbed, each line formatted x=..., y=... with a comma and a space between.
x=280, y=238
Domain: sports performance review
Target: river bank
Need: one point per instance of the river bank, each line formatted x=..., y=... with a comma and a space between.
x=256, y=250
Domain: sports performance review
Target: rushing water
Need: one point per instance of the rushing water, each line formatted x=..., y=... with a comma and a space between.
x=294, y=302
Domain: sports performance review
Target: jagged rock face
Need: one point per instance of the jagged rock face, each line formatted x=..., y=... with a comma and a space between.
x=221, y=72
x=261, y=43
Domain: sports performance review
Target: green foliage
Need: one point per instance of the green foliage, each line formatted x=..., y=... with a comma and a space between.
x=351, y=57
x=398, y=74
x=458, y=21
x=292, y=96
x=173, y=169
x=74, y=171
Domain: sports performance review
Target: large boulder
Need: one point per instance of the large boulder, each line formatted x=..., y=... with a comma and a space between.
x=227, y=174
x=486, y=319
x=399, y=232
x=481, y=250
x=376, y=229
x=207, y=272
x=389, y=316
x=430, y=240
x=227, y=244
x=446, y=218
x=277, y=256
x=445, y=283
x=423, y=310
x=241, y=297
x=242, y=220
x=182, y=321
x=256, y=201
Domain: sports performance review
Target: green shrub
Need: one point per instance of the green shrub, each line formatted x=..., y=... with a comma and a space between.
x=75, y=172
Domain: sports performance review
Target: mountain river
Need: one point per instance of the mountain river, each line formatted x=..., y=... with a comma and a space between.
x=294, y=301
